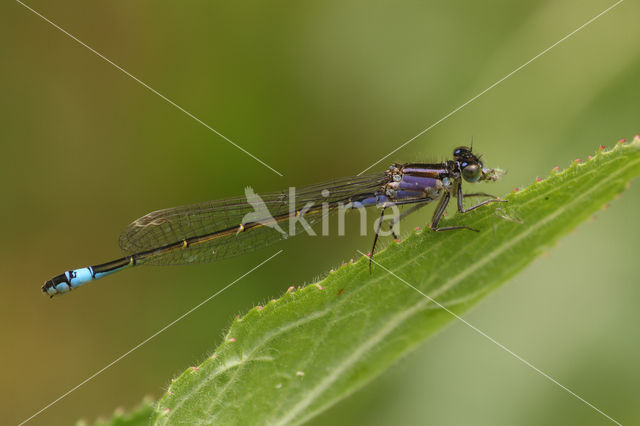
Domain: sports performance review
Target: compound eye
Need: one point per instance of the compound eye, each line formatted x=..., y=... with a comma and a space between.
x=471, y=172
x=460, y=152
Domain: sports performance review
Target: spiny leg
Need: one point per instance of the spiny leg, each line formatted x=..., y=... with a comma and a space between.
x=417, y=205
x=437, y=215
x=460, y=197
x=478, y=194
x=375, y=238
x=404, y=214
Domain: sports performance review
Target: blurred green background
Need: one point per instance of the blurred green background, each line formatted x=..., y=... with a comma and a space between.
x=317, y=90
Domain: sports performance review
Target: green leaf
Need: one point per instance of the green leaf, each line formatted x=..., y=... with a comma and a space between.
x=286, y=362
x=138, y=417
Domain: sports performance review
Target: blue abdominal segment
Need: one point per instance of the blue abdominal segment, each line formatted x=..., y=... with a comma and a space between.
x=71, y=280
x=77, y=277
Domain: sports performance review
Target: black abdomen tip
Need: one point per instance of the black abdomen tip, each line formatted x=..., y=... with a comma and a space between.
x=56, y=285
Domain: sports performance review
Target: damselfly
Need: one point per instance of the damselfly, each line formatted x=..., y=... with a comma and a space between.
x=225, y=228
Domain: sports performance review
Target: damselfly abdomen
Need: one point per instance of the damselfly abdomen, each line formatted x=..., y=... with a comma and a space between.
x=225, y=228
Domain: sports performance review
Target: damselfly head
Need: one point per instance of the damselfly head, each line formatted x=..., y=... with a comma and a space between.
x=471, y=167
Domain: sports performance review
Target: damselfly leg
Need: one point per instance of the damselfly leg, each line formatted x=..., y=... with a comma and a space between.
x=478, y=194
x=461, y=196
x=375, y=237
x=418, y=204
x=437, y=215
x=404, y=214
